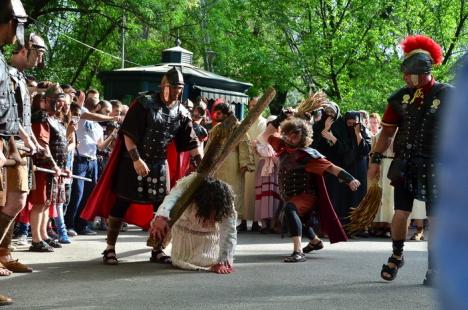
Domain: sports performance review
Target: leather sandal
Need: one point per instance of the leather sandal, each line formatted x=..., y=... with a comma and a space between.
x=4, y=270
x=109, y=257
x=388, y=273
x=17, y=267
x=158, y=256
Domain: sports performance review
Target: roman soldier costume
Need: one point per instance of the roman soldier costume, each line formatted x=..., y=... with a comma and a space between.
x=416, y=113
x=50, y=126
x=152, y=124
x=416, y=110
x=153, y=134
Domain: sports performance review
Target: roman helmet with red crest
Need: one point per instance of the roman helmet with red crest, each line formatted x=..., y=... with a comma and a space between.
x=420, y=54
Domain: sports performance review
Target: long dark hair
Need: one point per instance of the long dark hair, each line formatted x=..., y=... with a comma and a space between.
x=214, y=199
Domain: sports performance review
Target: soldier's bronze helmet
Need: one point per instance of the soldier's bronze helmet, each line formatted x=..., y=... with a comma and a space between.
x=420, y=53
x=174, y=76
x=35, y=41
x=32, y=41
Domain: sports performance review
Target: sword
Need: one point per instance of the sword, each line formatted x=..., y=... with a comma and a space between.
x=63, y=174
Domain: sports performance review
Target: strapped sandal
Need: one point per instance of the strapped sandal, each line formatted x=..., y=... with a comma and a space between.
x=158, y=256
x=295, y=257
x=388, y=273
x=313, y=247
x=109, y=257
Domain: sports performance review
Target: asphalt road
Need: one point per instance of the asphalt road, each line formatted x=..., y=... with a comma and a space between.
x=341, y=276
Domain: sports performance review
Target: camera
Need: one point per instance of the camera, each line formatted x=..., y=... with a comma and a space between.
x=75, y=119
x=355, y=115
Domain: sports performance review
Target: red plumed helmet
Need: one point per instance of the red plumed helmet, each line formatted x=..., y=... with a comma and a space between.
x=422, y=44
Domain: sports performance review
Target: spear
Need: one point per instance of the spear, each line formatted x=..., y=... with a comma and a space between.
x=220, y=147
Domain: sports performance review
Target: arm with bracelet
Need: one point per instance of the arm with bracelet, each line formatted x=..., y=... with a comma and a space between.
x=344, y=177
x=382, y=144
x=320, y=165
x=140, y=166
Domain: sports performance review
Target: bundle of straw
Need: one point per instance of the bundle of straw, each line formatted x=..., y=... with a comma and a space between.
x=363, y=215
x=312, y=103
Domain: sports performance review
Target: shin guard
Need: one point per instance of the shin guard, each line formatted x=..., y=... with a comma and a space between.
x=113, y=229
x=398, y=247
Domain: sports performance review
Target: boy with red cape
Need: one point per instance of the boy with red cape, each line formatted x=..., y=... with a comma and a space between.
x=301, y=184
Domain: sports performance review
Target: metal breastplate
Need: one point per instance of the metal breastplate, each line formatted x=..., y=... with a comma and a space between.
x=162, y=126
x=418, y=134
x=58, y=141
x=9, y=121
x=22, y=99
x=293, y=179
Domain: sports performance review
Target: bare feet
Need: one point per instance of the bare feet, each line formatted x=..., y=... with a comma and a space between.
x=4, y=272
x=4, y=300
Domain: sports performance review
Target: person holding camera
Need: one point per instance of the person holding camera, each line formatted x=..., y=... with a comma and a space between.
x=358, y=145
x=345, y=142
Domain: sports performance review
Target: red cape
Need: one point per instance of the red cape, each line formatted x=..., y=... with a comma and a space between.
x=179, y=163
x=102, y=198
x=329, y=221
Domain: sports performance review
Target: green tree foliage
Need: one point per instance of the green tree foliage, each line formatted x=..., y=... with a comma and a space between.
x=348, y=48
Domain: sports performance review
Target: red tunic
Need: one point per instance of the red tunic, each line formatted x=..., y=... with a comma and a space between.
x=305, y=202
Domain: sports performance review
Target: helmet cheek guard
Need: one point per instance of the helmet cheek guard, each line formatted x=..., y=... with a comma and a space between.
x=20, y=16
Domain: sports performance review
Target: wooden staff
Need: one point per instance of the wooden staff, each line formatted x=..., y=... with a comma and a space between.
x=50, y=171
x=219, y=149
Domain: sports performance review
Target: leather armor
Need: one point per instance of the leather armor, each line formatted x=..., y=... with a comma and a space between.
x=162, y=126
x=9, y=121
x=22, y=98
x=416, y=141
x=58, y=141
x=293, y=179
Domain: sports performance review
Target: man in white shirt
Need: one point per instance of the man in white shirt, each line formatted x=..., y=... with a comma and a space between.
x=89, y=137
